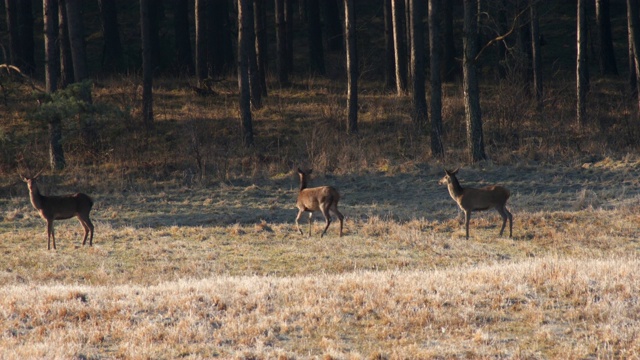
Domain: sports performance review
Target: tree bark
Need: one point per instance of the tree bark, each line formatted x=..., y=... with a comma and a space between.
x=582, y=70
x=52, y=50
x=27, y=42
x=13, y=29
x=56, y=152
x=399, y=46
x=184, y=60
x=260, y=16
x=536, y=57
x=112, y=48
x=66, y=60
x=352, y=66
x=76, y=39
x=389, y=58
x=201, y=41
x=437, y=148
x=316, y=52
x=634, y=39
x=281, y=44
x=254, y=75
x=606, y=53
x=245, y=42
x=473, y=115
x=450, y=67
x=420, y=111
x=147, y=64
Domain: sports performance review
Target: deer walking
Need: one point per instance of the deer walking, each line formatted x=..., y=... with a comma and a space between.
x=323, y=198
x=470, y=199
x=60, y=208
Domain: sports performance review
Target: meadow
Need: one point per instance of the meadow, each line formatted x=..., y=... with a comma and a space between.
x=196, y=254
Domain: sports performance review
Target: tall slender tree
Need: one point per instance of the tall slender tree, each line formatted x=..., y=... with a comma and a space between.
x=245, y=43
x=450, y=66
x=352, y=66
x=437, y=148
x=66, y=60
x=27, y=42
x=333, y=28
x=582, y=69
x=76, y=39
x=633, y=13
x=536, y=58
x=389, y=58
x=52, y=69
x=201, y=41
x=420, y=114
x=262, y=56
x=400, y=53
x=147, y=64
x=473, y=115
x=606, y=54
x=281, y=43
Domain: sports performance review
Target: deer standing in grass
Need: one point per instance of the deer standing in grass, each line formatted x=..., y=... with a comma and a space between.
x=323, y=198
x=470, y=199
x=60, y=208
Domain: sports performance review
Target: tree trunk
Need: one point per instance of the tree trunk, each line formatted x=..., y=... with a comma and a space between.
x=582, y=70
x=221, y=57
x=56, y=152
x=389, y=58
x=26, y=27
x=66, y=60
x=76, y=39
x=52, y=51
x=288, y=18
x=475, y=141
x=634, y=37
x=606, y=54
x=201, y=41
x=316, y=52
x=254, y=75
x=399, y=46
x=450, y=68
x=14, y=34
x=245, y=42
x=112, y=49
x=352, y=66
x=184, y=60
x=147, y=64
x=281, y=44
x=335, y=36
x=437, y=148
x=535, y=52
x=260, y=15
x=420, y=111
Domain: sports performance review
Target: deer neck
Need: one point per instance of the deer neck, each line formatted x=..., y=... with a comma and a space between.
x=455, y=189
x=34, y=195
x=303, y=183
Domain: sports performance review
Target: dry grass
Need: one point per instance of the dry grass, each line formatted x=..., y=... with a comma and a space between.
x=196, y=254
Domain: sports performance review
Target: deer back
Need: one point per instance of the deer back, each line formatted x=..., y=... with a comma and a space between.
x=483, y=198
x=311, y=198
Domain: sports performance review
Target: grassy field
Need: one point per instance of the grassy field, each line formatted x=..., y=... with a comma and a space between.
x=219, y=271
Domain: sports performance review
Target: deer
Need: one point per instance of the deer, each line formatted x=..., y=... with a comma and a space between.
x=470, y=199
x=323, y=198
x=63, y=207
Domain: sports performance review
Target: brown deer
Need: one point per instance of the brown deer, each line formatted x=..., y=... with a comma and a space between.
x=323, y=198
x=470, y=199
x=60, y=208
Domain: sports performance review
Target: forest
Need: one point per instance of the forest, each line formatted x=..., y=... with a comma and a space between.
x=185, y=124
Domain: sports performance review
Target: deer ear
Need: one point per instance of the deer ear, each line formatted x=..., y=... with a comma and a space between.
x=300, y=171
x=309, y=171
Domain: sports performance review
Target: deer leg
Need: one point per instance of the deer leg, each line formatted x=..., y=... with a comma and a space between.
x=503, y=213
x=510, y=222
x=50, y=235
x=327, y=218
x=467, y=217
x=340, y=217
x=300, y=212
x=88, y=227
x=310, y=221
